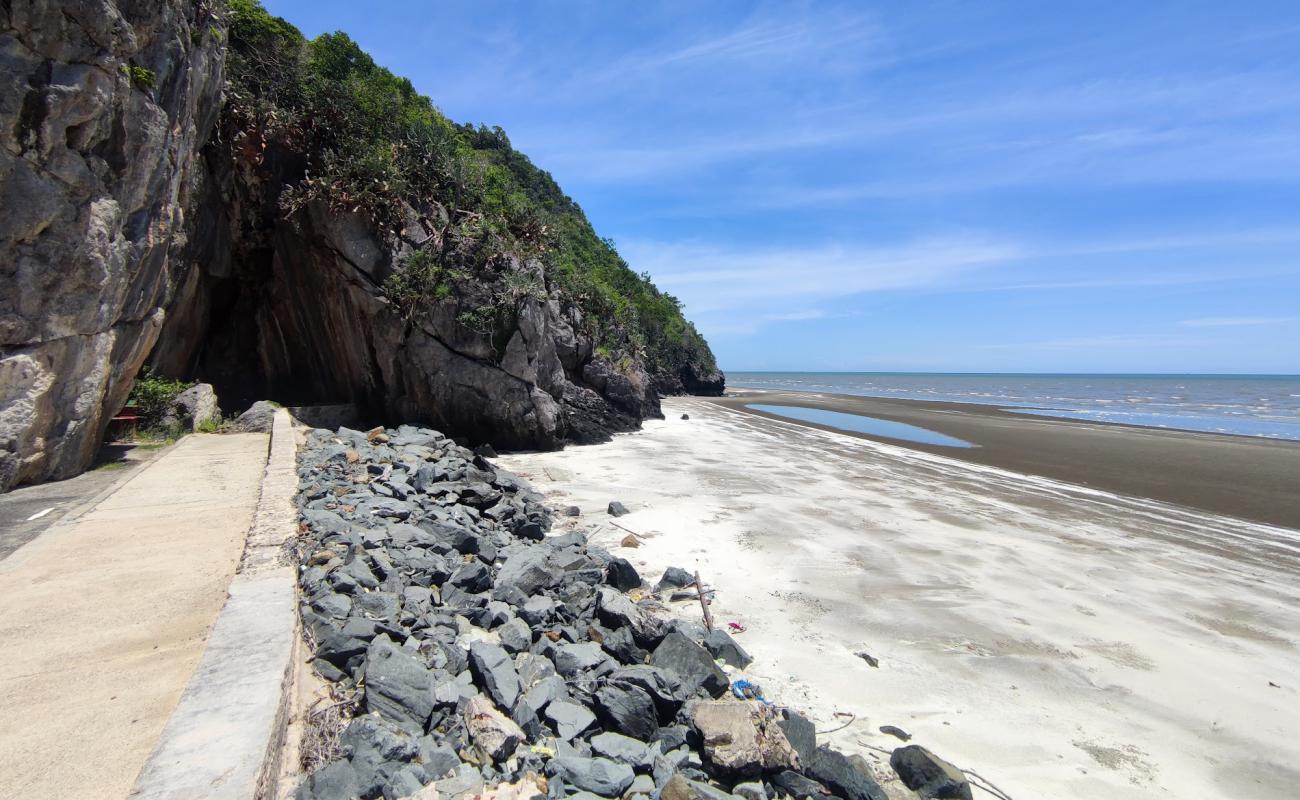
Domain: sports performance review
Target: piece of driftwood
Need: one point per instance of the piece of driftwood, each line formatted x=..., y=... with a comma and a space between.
x=704, y=603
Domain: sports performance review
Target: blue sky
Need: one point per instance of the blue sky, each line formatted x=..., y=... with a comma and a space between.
x=907, y=186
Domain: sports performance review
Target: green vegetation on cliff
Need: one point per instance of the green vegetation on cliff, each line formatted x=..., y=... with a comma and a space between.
x=376, y=145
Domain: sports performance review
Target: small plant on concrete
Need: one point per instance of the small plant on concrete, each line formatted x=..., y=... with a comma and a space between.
x=210, y=426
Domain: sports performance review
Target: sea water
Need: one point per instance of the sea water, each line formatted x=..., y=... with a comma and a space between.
x=863, y=424
x=1246, y=405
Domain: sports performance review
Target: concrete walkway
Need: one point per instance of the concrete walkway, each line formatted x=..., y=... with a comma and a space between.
x=105, y=618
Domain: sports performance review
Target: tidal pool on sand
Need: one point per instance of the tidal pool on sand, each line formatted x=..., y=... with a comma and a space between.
x=861, y=424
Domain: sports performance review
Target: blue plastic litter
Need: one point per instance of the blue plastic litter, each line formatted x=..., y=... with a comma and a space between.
x=745, y=690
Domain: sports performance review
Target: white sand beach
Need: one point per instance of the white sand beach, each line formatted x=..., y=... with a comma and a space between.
x=1059, y=641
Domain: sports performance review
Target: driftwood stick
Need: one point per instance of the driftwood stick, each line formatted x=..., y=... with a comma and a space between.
x=629, y=530
x=704, y=603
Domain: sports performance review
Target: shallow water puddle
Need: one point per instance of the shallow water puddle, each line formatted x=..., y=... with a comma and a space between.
x=858, y=423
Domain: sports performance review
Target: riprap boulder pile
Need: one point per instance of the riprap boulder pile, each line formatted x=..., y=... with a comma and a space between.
x=489, y=656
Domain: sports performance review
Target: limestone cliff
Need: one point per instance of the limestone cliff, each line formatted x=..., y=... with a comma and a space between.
x=202, y=187
x=104, y=105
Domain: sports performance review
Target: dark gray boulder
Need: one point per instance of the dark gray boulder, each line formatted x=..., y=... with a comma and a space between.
x=527, y=570
x=663, y=688
x=928, y=775
x=569, y=719
x=597, y=775
x=798, y=786
x=473, y=577
x=693, y=666
x=336, y=780
x=571, y=659
x=674, y=577
x=617, y=747
x=398, y=686
x=724, y=648
x=834, y=770
x=627, y=709
x=257, y=419
x=617, y=509
x=801, y=733
x=622, y=575
x=494, y=673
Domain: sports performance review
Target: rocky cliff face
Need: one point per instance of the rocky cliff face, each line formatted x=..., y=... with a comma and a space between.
x=290, y=305
x=241, y=242
x=104, y=107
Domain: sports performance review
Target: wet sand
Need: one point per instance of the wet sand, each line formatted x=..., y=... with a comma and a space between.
x=1247, y=477
x=1062, y=641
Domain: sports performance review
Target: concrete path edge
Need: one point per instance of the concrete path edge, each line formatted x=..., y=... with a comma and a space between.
x=223, y=741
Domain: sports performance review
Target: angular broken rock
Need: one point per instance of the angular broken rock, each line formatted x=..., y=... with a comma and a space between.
x=627, y=709
x=598, y=775
x=800, y=732
x=622, y=575
x=625, y=749
x=398, y=686
x=798, y=786
x=617, y=509
x=571, y=659
x=465, y=783
x=494, y=673
x=674, y=577
x=527, y=570
x=679, y=787
x=491, y=731
x=928, y=775
x=570, y=719
x=743, y=739
x=725, y=649
x=833, y=769
x=529, y=787
x=691, y=664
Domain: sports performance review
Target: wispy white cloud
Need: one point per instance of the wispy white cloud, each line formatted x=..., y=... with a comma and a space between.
x=766, y=281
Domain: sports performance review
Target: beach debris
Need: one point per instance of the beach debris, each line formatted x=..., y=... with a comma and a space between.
x=617, y=509
x=867, y=657
x=850, y=718
x=1274, y=685
x=896, y=732
x=928, y=775
x=736, y=627
x=630, y=541
x=572, y=511
x=686, y=416
x=747, y=690
x=705, y=599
